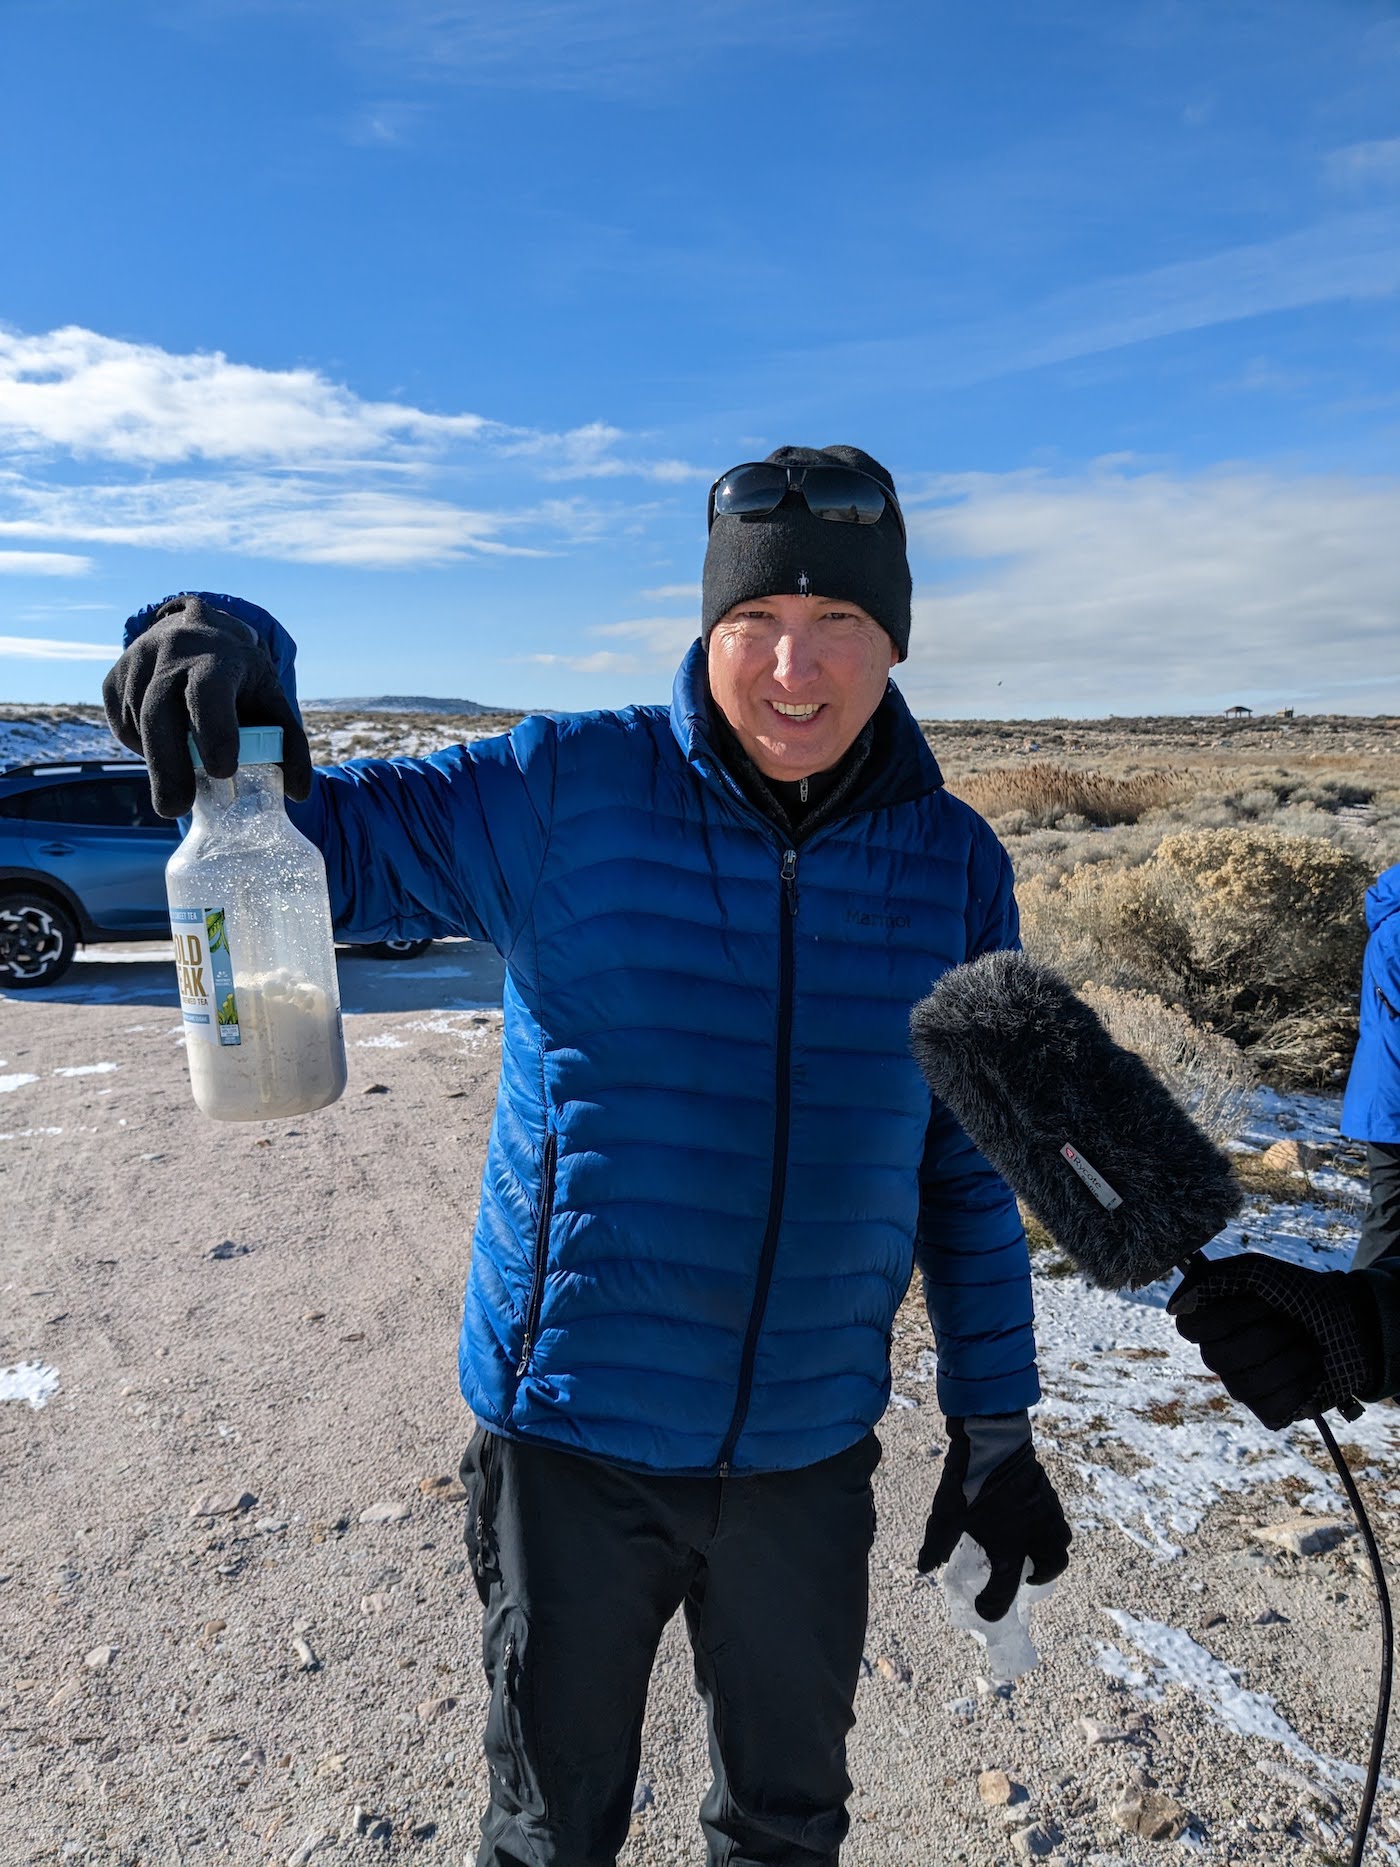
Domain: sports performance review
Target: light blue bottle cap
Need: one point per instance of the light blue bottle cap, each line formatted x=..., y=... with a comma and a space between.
x=257, y=745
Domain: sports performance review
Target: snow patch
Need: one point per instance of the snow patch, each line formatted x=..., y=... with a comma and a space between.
x=7, y=1083
x=385, y=1041
x=24, y=1134
x=1153, y=1435
x=31, y=1381
x=1179, y=1660
x=56, y=741
x=87, y=1069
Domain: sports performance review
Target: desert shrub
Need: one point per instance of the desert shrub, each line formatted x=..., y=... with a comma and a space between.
x=1046, y=793
x=1054, y=854
x=1255, y=935
x=1209, y=1075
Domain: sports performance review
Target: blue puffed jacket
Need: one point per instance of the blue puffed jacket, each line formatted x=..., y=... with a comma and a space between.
x=1371, y=1106
x=713, y=1159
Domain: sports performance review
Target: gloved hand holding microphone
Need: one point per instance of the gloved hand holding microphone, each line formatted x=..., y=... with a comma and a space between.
x=1288, y=1342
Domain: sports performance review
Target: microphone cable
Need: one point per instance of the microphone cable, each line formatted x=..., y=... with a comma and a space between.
x=1382, y=1719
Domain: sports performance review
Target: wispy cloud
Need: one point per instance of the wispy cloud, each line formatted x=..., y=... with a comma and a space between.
x=1352, y=256
x=197, y=451
x=602, y=661
x=587, y=454
x=1363, y=163
x=43, y=564
x=1116, y=591
x=38, y=648
x=296, y=519
x=602, y=47
x=675, y=593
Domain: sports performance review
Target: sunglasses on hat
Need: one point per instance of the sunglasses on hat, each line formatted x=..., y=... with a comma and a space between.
x=843, y=494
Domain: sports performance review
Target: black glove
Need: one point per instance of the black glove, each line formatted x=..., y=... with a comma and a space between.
x=199, y=670
x=1013, y=1513
x=1287, y=1342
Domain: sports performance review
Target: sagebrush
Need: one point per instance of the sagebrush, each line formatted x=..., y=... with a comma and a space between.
x=1209, y=1075
x=1256, y=935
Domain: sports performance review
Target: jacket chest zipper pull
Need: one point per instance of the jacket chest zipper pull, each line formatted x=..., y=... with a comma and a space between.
x=789, y=874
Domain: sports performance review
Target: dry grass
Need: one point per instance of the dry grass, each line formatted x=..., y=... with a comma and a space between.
x=1040, y=795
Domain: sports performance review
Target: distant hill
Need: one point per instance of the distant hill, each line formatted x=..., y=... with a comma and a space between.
x=400, y=703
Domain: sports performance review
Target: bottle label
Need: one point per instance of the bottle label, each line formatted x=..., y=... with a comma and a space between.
x=204, y=967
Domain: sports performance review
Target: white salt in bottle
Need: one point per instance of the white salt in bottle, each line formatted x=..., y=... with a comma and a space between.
x=254, y=952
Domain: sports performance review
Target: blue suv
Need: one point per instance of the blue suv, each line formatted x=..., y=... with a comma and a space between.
x=82, y=858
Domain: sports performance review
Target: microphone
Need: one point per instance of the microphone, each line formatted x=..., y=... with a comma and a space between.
x=1108, y=1161
x=1098, y=1148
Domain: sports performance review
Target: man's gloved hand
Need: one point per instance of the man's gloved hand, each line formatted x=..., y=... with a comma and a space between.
x=995, y=1490
x=198, y=670
x=1287, y=1342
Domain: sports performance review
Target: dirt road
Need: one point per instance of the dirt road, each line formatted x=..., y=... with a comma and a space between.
x=238, y=1312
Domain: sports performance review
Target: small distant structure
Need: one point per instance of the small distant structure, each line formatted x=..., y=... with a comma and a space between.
x=1238, y=713
x=1285, y=713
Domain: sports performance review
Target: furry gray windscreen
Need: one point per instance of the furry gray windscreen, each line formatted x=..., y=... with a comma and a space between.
x=1030, y=1072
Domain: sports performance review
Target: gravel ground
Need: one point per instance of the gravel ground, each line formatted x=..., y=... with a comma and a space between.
x=264, y=1321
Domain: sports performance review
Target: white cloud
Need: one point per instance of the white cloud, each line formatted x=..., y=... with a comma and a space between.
x=675, y=593
x=297, y=519
x=84, y=394
x=37, y=648
x=198, y=452
x=602, y=661
x=77, y=392
x=1131, y=592
x=586, y=454
x=661, y=639
x=43, y=564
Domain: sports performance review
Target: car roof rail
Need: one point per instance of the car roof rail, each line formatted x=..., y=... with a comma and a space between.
x=69, y=767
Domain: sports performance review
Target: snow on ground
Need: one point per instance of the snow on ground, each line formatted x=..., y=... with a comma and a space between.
x=54, y=739
x=30, y=1381
x=1176, y=1659
x=1153, y=1434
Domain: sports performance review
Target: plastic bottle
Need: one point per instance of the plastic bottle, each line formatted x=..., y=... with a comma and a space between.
x=1009, y=1650
x=254, y=951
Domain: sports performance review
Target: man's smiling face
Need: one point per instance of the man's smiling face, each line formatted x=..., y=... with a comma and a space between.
x=797, y=677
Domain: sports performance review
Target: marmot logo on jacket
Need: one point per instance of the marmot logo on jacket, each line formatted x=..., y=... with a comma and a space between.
x=861, y=917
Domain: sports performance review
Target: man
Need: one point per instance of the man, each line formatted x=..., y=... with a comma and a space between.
x=1290, y=1342
x=713, y=1159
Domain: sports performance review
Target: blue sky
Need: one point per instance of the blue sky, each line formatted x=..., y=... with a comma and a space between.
x=426, y=323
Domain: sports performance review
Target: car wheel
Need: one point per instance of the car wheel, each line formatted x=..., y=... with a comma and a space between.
x=37, y=941
x=395, y=949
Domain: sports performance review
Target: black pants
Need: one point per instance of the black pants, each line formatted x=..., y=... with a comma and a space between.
x=1380, y=1229
x=580, y=1565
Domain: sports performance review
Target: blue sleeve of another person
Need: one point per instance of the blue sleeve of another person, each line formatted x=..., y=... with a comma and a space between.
x=972, y=1247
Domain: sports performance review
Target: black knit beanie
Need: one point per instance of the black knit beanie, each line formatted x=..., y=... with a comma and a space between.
x=791, y=552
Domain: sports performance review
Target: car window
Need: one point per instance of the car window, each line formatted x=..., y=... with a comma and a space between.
x=100, y=803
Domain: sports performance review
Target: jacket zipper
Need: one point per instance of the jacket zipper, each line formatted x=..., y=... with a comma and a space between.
x=532, y=1313
x=782, y=1116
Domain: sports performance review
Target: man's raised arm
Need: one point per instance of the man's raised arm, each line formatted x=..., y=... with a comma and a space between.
x=414, y=848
